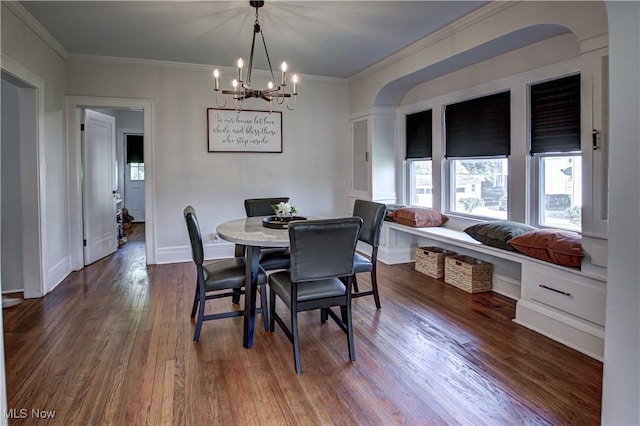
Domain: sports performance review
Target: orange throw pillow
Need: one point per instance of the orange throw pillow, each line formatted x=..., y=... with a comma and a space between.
x=418, y=217
x=559, y=247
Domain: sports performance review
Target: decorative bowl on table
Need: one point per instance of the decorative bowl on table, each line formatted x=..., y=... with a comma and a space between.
x=279, y=222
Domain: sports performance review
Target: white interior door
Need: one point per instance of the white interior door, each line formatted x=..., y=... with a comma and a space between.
x=99, y=185
x=134, y=179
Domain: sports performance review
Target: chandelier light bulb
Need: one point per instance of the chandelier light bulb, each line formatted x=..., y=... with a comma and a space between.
x=270, y=85
x=216, y=74
x=283, y=67
x=234, y=83
x=240, y=63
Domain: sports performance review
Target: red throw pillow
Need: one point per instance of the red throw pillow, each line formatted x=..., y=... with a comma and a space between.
x=418, y=217
x=559, y=247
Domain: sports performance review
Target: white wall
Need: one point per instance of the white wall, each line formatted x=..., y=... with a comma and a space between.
x=621, y=378
x=11, y=192
x=311, y=170
x=25, y=48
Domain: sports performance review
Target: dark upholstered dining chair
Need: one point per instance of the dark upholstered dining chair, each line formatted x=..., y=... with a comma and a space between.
x=322, y=253
x=270, y=258
x=372, y=215
x=216, y=277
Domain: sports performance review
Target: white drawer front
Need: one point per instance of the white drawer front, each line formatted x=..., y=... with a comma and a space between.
x=575, y=294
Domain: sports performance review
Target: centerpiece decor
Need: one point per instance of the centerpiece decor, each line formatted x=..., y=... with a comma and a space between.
x=284, y=214
x=284, y=210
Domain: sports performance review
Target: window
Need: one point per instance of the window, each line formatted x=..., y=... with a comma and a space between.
x=478, y=142
x=560, y=196
x=479, y=185
x=555, y=145
x=418, y=159
x=135, y=156
x=136, y=171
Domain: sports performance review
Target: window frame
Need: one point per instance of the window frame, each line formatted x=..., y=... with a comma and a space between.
x=535, y=169
x=494, y=99
x=419, y=135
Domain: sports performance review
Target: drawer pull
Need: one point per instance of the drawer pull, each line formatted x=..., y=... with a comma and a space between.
x=556, y=290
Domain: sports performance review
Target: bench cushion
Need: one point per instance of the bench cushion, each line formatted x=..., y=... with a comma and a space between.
x=497, y=233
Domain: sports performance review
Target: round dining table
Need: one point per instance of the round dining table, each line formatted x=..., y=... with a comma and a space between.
x=251, y=233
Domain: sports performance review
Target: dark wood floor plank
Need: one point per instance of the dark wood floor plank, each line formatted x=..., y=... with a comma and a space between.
x=113, y=344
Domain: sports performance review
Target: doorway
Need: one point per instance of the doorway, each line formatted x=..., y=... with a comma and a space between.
x=23, y=239
x=75, y=104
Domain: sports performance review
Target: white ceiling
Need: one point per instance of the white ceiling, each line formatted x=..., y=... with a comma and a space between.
x=326, y=38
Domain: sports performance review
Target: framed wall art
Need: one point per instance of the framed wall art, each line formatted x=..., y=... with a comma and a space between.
x=229, y=130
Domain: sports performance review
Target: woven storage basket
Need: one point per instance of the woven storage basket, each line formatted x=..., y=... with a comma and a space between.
x=469, y=274
x=430, y=260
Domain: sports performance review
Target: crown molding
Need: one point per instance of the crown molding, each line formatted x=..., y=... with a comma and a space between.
x=183, y=66
x=451, y=29
x=36, y=27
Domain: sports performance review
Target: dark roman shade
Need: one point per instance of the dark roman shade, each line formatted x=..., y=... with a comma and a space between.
x=135, y=149
x=555, y=115
x=479, y=127
x=419, y=138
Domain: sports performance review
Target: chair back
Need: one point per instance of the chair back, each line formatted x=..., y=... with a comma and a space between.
x=372, y=215
x=262, y=206
x=323, y=249
x=194, y=234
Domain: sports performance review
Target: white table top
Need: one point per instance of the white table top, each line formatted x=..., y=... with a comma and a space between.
x=250, y=232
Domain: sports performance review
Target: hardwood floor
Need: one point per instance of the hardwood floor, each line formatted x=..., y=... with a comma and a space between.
x=112, y=344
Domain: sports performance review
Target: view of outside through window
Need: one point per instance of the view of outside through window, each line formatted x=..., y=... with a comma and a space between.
x=136, y=171
x=561, y=191
x=480, y=187
x=420, y=186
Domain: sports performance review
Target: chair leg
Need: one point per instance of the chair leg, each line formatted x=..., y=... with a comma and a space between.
x=272, y=310
x=195, y=301
x=343, y=314
x=296, y=338
x=264, y=307
x=349, y=324
x=355, y=284
x=374, y=285
x=236, y=296
x=196, y=335
x=324, y=314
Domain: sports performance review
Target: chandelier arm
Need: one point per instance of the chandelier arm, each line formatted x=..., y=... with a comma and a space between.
x=218, y=102
x=294, y=104
x=256, y=29
x=264, y=43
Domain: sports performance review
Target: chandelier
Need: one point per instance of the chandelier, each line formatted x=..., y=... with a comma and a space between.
x=242, y=88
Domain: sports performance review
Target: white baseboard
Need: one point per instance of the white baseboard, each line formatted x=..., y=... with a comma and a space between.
x=218, y=250
x=577, y=334
x=395, y=256
x=56, y=274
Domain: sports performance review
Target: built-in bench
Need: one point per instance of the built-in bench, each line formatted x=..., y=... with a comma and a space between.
x=565, y=304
